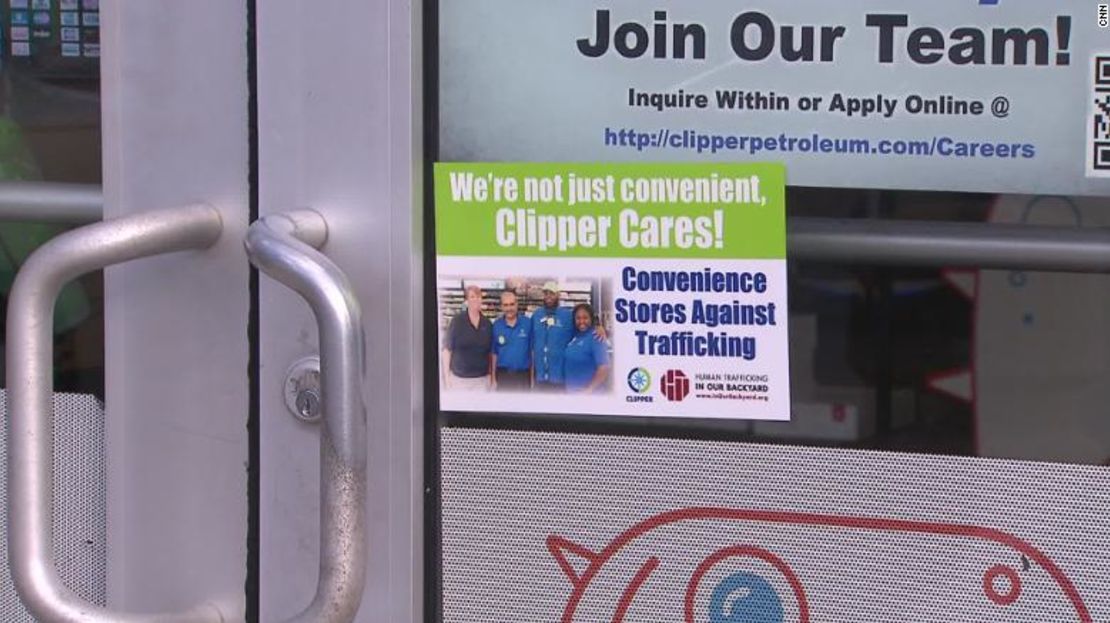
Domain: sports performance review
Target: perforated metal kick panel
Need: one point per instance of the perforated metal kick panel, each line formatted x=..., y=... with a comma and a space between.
x=79, y=501
x=575, y=528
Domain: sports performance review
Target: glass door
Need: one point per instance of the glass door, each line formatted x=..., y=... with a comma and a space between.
x=127, y=414
x=49, y=182
x=290, y=444
x=233, y=470
x=942, y=457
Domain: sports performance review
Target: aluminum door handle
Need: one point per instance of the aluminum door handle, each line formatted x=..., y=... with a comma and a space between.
x=30, y=388
x=284, y=247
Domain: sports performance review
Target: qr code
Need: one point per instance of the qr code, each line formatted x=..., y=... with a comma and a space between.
x=1098, y=137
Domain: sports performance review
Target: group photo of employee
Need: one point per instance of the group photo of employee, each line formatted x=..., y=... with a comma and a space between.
x=524, y=335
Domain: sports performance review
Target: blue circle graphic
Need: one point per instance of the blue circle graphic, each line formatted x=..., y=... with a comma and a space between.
x=744, y=598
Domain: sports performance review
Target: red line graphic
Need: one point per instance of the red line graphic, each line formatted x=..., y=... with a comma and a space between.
x=1002, y=599
x=630, y=591
x=747, y=552
x=598, y=560
x=558, y=546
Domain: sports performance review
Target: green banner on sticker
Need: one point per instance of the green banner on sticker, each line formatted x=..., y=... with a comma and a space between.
x=687, y=210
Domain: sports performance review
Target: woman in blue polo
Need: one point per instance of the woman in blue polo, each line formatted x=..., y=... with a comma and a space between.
x=586, y=359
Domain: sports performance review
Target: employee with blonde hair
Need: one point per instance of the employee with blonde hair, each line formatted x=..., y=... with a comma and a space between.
x=466, y=347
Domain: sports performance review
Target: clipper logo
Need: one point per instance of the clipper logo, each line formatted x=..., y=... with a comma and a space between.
x=675, y=385
x=639, y=380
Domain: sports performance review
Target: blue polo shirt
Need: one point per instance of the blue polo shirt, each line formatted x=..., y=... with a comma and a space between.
x=584, y=354
x=469, y=345
x=513, y=345
x=551, y=332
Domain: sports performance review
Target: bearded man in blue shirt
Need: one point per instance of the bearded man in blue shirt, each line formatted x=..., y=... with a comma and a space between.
x=552, y=329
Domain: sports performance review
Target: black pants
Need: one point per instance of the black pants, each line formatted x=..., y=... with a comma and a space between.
x=550, y=388
x=513, y=380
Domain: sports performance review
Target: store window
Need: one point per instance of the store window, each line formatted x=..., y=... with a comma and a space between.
x=50, y=132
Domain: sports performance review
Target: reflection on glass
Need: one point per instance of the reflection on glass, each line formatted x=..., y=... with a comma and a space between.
x=989, y=363
x=50, y=131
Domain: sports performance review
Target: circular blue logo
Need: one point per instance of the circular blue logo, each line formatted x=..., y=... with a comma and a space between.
x=744, y=598
x=639, y=380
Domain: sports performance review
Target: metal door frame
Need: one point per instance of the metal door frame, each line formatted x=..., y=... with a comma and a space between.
x=339, y=132
x=175, y=121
